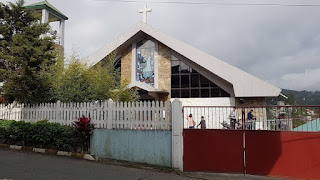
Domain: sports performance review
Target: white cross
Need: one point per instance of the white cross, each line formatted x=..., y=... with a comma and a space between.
x=144, y=11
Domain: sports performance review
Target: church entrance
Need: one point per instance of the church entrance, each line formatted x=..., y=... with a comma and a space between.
x=144, y=95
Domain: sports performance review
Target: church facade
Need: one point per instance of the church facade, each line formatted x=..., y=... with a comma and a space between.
x=162, y=68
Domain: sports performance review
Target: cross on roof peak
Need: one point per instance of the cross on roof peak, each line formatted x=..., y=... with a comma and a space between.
x=145, y=10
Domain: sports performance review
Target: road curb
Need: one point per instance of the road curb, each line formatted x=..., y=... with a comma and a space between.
x=48, y=151
x=39, y=150
x=4, y=146
x=15, y=147
x=63, y=153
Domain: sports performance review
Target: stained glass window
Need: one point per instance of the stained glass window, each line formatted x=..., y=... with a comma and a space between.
x=145, y=62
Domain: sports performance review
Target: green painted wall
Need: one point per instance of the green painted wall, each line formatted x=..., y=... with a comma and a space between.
x=150, y=147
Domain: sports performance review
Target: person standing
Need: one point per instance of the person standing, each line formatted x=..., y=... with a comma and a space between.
x=191, y=121
x=233, y=117
x=250, y=119
x=202, y=123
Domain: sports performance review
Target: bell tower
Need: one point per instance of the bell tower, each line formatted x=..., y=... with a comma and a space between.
x=50, y=14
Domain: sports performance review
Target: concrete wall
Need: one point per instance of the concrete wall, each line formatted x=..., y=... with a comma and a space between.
x=252, y=101
x=150, y=147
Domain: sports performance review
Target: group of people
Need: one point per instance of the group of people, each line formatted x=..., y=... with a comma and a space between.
x=192, y=123
x=233, y=120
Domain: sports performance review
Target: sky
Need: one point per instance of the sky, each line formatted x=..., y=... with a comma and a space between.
x=277, y=43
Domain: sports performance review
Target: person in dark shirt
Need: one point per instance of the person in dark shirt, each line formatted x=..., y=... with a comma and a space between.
x=250, y=115
x=250, y=118
x=202, y=123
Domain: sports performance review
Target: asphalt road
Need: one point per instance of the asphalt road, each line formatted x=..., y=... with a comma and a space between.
x=26, y=165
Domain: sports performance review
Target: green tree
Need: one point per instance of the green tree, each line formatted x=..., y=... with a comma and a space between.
x=70, y=84
x=80, y=82
x=27, y=50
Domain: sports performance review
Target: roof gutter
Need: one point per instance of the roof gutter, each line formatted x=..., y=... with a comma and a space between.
x=283, y=95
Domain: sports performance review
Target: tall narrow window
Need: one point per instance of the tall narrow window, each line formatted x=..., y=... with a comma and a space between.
x=117, y=65
x=117, y=70
x=145, y=62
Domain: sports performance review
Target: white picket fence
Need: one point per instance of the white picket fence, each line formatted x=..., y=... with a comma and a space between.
x=153, y=115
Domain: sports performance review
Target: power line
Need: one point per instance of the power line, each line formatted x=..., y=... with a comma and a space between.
x=211, y=3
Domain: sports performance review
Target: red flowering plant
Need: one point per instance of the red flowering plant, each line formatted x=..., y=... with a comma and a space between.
x=83, y=129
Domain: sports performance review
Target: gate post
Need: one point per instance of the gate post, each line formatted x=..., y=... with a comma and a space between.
x=177, y=136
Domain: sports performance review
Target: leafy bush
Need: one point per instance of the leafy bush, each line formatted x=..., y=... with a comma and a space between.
x=19, y=132
x=40, y=134
x=4, y=125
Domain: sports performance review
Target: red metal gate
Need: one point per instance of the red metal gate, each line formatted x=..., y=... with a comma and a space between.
x=283, y=154
x=271, y=153
x=213, y=150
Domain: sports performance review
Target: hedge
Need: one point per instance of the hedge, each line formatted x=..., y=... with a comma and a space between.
x=41, y=134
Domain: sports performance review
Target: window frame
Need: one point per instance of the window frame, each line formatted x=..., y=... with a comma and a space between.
x=191, y=72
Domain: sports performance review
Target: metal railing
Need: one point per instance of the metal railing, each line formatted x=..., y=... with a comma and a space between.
x=278, y=118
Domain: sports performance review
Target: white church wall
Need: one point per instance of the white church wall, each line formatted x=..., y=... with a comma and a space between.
x=217, y=101
x=214, y=110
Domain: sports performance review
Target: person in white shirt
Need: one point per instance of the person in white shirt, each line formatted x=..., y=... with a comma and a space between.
x=233, y=117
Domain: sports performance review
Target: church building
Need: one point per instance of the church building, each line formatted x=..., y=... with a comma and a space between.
x=162, y=68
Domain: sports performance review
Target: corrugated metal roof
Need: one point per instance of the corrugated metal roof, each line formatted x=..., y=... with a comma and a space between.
x=47, y=5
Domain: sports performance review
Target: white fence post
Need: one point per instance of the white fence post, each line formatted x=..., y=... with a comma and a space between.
x=57, y=113
x=177, y=136
x=110, y=112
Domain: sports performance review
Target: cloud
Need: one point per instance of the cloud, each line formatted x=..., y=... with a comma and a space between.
x=270, y=42
x=307, y=80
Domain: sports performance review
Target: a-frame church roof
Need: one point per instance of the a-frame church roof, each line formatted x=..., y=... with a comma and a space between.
x=244, y=84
